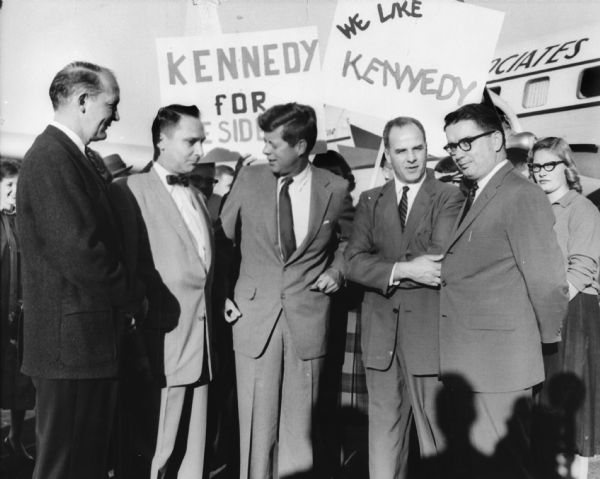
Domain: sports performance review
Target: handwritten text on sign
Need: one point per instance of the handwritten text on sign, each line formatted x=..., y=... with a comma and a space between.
x=421, y=58
x=235, y=77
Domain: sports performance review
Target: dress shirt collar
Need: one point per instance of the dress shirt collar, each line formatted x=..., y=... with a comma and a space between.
x=162, y=173
x=486, y=179
x=413, y=187
x=71, y=134
x=300, y=180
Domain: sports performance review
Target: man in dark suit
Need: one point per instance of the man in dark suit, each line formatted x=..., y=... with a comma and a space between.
x=169, y=246
x=503, y=285
x=294, y=221
x=75, y=286
x=394, y=251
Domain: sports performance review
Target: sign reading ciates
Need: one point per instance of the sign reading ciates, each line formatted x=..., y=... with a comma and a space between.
x=233, y=78
x=421, y=58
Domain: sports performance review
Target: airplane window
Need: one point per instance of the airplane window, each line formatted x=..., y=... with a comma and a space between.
x=589, y=83
x=536, y=92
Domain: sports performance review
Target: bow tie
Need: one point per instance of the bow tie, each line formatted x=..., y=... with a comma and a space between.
x=178, y=180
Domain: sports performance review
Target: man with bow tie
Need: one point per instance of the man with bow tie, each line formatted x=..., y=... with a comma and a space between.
x=169, y=246
x=294, y=221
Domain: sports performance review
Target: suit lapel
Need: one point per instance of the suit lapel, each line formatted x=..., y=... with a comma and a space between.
x=417, y=212
x=387, y=214
x=488, y=192
x=161, y=203
x=320, y=196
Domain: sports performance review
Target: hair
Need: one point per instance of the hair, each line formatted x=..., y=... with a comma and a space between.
x=167, y=118
x=75, y=77
x=222, y=170
x=9, y=167
x=563, y=151
x=483, y=115
x=299, y=123
x=331, y=160
x=400, y=122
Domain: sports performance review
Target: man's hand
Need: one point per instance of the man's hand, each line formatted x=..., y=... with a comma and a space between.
x=328, y=282
x=425, y=269
x=230, y=311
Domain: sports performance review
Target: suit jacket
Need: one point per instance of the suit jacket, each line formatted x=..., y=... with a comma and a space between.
x=73, y=278
x=504, y=288
x=161, y=251
x=266, y=284
x=376, y=243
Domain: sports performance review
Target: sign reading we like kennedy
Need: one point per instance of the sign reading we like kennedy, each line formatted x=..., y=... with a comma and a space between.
x=233, y=78
x=421, y=58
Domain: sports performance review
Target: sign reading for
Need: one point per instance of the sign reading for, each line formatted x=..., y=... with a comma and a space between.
x=420, y=58
x=235, y=77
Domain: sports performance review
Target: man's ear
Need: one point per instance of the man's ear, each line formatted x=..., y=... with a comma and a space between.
x=161, y=142
x=497, y=137
x=301, y=147
x=81, y=101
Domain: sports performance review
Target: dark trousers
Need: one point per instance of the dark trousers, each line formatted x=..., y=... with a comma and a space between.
x=74, y=418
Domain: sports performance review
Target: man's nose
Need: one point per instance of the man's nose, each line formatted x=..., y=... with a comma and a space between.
x=199, y=150
x=116, y=116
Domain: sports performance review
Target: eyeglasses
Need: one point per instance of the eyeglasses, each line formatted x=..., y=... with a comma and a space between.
x=464, y=143
x=536, y=167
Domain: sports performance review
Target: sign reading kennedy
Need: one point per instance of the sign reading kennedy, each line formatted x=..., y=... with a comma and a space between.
x=420, y=58
x=233, y=78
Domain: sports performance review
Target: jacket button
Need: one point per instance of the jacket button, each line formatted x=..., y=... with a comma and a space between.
x=443, y=282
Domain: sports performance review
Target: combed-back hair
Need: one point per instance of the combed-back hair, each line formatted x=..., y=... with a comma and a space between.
x=299, y=123
x=221, y=170
x=563, y=152
x=167, y=118
x=483, y=115
x=9, y=167
x=77, y=76
x=400, y=122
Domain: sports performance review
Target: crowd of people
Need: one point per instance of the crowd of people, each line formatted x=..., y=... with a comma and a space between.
x=179, y=322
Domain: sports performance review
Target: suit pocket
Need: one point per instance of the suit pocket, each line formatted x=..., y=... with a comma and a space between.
x=491, y=321
x=87, y=339
x=246, y=291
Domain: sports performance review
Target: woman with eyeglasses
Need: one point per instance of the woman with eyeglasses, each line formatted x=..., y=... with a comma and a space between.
x=578, y=230
x=18, y=394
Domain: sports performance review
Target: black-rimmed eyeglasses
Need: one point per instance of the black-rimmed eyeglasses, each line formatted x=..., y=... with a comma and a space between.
x=536, y=167
x=464, y=143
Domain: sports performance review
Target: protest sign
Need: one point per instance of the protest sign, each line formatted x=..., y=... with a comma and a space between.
x=421, y=58
x=233, y=78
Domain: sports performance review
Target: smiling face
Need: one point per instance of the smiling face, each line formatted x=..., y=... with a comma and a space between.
x=407, y=153
x=8, y=193
x=284, y=159
x=550, y=181
x=101, y=110
x=180, y=146
x=484, y=153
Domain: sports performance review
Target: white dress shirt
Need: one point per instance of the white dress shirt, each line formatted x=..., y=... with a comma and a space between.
x=299, y=191
x=182, y=196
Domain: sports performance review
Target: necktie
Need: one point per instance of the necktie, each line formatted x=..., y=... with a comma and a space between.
x=98, y=164
x=178, y=180
x=403, y=207
x=469, y=201
x=286, y=220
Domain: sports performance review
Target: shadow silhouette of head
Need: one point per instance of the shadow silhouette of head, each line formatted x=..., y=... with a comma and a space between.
x=566, y=392
x=455, y=408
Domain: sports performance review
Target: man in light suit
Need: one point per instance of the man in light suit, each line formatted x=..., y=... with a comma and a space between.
x=394, y=251
x=503, y=285
x=292, y=234
x=169, y=246
x=75, y=285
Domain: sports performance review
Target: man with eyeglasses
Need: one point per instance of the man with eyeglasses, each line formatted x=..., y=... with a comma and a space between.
x=503, y=286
